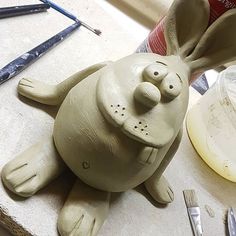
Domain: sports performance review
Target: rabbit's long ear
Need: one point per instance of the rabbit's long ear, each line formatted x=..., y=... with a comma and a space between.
x=218, y=44
x=184, y=25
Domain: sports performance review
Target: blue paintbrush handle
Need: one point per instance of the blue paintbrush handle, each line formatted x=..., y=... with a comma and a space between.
x=22, y=10
x=23, y=61
x=58, y=8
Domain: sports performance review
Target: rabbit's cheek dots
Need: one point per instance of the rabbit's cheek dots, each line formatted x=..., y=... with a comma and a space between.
x=171, y=86
x=147, y=94
x=155, y=73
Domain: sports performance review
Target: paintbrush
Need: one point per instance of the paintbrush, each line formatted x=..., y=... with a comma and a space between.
x=22, y=10
x=193, y=211
x=20, y=63
x=70, y=15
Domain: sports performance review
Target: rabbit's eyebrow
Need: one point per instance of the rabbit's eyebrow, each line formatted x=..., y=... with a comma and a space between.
x=179, y=78
x=161, y=63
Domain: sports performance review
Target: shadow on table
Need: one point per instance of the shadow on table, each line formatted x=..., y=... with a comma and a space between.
x=50, y=110
x=128, y=10
x=59, y=187
x=115, y=197
x=142, y=190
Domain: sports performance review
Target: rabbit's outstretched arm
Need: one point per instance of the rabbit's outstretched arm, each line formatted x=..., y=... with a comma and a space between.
x=54, y=94
x=65, y=86
x=157, y=185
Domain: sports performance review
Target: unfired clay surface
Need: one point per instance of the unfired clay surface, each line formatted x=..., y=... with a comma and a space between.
x=119, y=124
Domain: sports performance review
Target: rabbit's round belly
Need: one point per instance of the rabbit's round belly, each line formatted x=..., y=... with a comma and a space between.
x=98, y=153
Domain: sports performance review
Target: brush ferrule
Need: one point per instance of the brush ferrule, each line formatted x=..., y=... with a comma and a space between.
x=194, y=215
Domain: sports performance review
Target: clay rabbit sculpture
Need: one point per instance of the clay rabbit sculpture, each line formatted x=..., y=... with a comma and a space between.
x=119, y=124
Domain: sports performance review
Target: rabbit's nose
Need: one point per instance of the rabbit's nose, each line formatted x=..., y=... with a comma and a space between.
x=147, y=94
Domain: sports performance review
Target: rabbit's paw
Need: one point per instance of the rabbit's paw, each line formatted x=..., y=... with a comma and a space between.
x=33, y=169
x=79, y=223
x=20, y=178
x=84, y=211
x=160, y=190
x=38, y=91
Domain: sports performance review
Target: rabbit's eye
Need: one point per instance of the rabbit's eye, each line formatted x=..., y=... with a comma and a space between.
x=171, y=86
x=155, y=73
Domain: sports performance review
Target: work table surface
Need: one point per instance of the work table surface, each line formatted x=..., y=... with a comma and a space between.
x=24, y=122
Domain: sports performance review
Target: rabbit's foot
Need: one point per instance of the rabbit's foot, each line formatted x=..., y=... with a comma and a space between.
x=33, y=169
x=160, y=190
x=84, y=211
x=39, y=91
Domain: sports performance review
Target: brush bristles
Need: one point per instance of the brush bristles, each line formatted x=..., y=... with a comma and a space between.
x=190, y=198
x=97, y=31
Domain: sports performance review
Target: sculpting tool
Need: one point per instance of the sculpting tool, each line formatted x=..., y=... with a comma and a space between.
x=23, y=61
x=71, y=16
x=22, y=10
x=193, y=211
x=231, y=222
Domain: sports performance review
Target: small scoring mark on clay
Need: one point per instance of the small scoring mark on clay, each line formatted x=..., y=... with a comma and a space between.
x=118, y=105
x=145, y=126
x=135, y=127
x=171, y=86
x=146, y=133
x=122, y=114
x=111, y=105
x=116, y=111
x=140, y=122
x=86, y=165
x=123, y=108
x=142, y=129
x=156, y=73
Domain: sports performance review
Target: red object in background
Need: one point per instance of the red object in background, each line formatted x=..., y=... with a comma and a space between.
x=156, y=39
x=155, y=42
x=218, y=7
